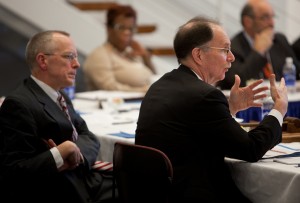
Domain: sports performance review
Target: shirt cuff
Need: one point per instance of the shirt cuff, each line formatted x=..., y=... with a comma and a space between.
x=277, y=115
x=57, y=157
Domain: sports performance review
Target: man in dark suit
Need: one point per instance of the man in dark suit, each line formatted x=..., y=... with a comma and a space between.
x=258, y=50
x=187, y=117
x=44, y=155
x=296, y=48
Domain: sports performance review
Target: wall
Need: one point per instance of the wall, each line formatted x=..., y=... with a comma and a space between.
x=87, y=28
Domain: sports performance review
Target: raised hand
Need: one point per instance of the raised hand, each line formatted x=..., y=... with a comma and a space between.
x=279, y=95
x=245, y=97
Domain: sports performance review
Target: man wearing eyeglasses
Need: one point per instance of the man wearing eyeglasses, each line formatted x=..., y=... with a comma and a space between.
x=259, y=51
x=121, y=63
x=46, y=148
x=184, y=115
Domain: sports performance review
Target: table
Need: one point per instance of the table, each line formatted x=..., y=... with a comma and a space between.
x=266, y=181
x=263, y=181
x=104, y=122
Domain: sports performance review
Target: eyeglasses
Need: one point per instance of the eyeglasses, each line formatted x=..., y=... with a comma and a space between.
x=70, y=56
x=225, y=50
x=265, y=17
x=123, y=28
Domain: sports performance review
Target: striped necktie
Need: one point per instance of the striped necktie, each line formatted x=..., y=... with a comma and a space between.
x=64, y=108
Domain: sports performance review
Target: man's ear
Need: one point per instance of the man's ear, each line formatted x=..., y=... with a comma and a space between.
x=247, y=21
x=41, y=61
x=197, y=55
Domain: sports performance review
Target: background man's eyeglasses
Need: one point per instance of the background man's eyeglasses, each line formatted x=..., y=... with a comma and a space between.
x=69, y=56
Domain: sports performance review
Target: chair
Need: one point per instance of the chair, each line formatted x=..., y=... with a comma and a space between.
x=142, y=174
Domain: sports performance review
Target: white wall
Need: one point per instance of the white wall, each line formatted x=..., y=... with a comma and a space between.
x=293, y=19
x=88, y=31
x=57, y=14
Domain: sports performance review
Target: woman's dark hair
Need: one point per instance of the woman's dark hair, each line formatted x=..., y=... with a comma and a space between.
x=120, y=10
x=194, y=33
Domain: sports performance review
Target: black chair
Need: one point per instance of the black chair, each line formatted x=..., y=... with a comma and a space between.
x=142, y=174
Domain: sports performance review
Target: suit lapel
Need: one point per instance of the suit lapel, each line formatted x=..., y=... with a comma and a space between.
x=50, y=107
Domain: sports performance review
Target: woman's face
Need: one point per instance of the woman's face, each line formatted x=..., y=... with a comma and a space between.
x=121, y=33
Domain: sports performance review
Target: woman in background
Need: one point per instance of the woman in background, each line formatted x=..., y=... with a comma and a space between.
x=121, y=63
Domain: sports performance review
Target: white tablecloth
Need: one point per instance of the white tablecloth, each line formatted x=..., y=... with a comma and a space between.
x=266, y=181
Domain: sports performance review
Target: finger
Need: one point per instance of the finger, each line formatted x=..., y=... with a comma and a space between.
x=260, y=89
x=51, y=143
x=256, y=104
x=272, y=80
x=256, y=83
x=282, y=82
x=259, y=96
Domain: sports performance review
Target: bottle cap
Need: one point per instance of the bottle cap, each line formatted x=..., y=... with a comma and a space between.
x=289, y=60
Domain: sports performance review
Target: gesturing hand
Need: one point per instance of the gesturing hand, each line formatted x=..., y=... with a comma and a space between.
x=245, y=97
x=279, y=95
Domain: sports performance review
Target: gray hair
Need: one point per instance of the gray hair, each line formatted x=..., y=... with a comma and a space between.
x=40, y=42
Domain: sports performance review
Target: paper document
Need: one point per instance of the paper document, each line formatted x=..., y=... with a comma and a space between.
x=288, y=160
x=286, y=153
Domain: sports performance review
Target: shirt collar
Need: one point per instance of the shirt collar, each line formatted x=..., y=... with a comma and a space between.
x=196, y=75
x=53, y=94
x=248, y=38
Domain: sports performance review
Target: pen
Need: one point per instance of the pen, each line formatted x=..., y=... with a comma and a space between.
x=122, y=122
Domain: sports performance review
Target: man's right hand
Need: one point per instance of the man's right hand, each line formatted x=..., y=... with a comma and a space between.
x=263, y=40
x=279, y=95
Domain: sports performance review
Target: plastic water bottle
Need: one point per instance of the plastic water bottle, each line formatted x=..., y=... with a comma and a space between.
x=289, y=74
x=267, y=106
x=70, y=91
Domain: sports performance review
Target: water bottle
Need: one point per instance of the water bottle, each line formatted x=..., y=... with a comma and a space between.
x=70, y=91
x=267, y=106
x=289, y=74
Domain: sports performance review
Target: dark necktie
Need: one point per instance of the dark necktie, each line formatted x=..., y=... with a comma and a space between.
x=64, y=108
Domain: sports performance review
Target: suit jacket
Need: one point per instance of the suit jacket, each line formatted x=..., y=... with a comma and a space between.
x=296, y=48
x=190, y=121
x=28, y=117
x=249, y=64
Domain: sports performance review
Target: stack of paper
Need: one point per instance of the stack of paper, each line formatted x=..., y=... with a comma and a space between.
x=286, y=153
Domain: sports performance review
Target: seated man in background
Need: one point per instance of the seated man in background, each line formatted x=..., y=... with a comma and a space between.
x=184, y=115
x=121, y=63
x=296, y=48
x=258, y=50
x=46, y=149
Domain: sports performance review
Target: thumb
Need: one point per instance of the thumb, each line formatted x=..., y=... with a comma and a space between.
x=237, y=82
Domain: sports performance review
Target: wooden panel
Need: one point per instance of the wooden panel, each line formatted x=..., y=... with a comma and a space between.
x=161, y=51
x=93, y=5
x=146, y=28
x=103, y=6
x=290, y=129
x=290, y=137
